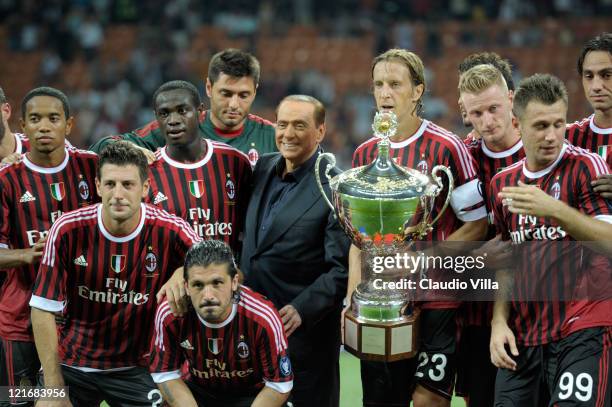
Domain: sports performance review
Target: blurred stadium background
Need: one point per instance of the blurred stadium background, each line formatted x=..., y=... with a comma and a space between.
x=109, y=56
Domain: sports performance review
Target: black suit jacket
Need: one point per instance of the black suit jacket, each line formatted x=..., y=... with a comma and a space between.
x=303, y=257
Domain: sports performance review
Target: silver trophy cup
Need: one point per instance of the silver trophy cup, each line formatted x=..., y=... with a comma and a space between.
x=383, y=207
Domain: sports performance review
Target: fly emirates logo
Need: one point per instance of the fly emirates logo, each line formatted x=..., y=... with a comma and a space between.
x=201, y=223
x=530, y=229
x=35, y=235
x=115, y=292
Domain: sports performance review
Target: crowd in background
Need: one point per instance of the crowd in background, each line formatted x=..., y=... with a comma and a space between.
x=110, y=55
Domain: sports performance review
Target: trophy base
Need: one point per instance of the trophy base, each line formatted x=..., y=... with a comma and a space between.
x=381, y=341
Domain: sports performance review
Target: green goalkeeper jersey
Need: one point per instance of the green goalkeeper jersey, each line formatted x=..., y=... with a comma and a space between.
x=255, y=138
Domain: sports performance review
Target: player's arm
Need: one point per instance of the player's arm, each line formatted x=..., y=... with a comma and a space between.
x=165, y=360
x=45, y=338
x=174, y=289
x=470, y=231
x=147, y=138
x=530, y=200
x=502, y=337
x=354, y=275
x=603, y=185
x=354, y=278
x=177, y=394
x=10, y=258
x=595, y=233
x=501, y=334
x=268, y=397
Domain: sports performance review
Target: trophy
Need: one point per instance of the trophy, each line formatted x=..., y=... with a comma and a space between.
x=383, y=208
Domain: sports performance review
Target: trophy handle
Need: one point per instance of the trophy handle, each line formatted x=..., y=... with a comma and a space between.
x=438, y=180
x=329, y=167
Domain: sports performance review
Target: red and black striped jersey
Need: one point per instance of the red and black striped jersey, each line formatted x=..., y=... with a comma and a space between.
x=470, y=137
x=211, y=195
x=238, y=356
x=22, y=144
x=586, y=134
x=106, y=284
x=31, y=199
x=432, y=145
x=489, y=163
x=553, y=272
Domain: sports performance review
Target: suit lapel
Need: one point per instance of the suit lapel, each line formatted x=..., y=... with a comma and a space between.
x=257, y=195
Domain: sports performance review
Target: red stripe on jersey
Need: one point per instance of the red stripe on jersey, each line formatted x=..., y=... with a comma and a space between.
x=110, y=283
x=429, y=146
x=234, y=357
x=147, y=129
x=258, y=119
x=163, y=311
x=603, y=368
x=587, y=135
x=267, y=314
x=569, y=180
x=460, y=150
x=32, y=198
x=210, y=195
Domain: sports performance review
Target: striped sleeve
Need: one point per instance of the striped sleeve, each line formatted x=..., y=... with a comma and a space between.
x=467, y=199
x=49, y=293
x=496, y=206
x=165, y=356
x=272, y=345
x=590, y=202
x=5, y=210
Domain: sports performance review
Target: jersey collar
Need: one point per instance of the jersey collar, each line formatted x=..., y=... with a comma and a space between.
x=122, y=239
x=412, y=138
x=596, y=129
x=220, y=324
x=46, y=170
x=189, y=166
x=541, y=173
x=502, y=154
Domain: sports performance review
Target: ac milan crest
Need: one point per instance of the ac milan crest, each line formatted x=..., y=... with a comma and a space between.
x=253, y=156
x=118, y=262
x=83, y=189
x=151, y=262
x=215, y=345
x=57, y=191
x=230, y=189
x=242, y=349
x=555, y=191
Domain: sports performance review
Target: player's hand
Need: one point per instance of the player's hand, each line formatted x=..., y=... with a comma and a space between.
x=148, y=153
x=501, y=334
x=34, y=253
x=291, y=319
x=499, y=253
x=603, y=186
x=53, y=403
x=13, y=158
x=529, y=200
x=175, y=293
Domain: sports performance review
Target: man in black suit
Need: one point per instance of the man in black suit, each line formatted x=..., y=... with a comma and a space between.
x=295, y=253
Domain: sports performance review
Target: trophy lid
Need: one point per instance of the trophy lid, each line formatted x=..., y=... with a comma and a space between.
x=383, y=178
